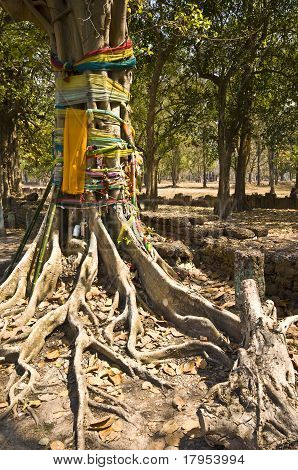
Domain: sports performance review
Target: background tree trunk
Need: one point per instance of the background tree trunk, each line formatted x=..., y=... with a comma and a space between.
x=2, y=227
x=243, y=158
x=259, y=153
x=150, y=147
x=204, y=150
x=271, y=165
x=225, y=152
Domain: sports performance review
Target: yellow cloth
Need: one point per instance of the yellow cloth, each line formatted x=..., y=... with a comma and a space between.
x=74, y=149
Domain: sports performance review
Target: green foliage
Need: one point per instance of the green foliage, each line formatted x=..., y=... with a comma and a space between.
x=26, y=91
x=198, y=46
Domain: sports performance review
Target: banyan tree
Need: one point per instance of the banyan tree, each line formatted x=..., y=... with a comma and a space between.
x=93, y=193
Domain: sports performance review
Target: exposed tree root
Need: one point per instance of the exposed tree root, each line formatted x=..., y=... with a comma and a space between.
x=183, y=308
x=120, y=275
x=108, y=397
x=14, y=288
x=175, y=303
x=257, y=407
x=46, y=282
x=46, y=325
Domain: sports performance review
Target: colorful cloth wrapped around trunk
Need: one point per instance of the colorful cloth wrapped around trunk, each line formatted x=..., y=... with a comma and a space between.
x=74, y=150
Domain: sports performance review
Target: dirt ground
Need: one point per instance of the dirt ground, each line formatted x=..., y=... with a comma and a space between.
x=195, y=189
x=158, y=418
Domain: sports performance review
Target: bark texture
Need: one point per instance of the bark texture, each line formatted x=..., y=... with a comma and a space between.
x=257, y=407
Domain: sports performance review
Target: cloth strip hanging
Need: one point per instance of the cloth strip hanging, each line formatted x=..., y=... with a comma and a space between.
x=75, y=143
x=82, y=165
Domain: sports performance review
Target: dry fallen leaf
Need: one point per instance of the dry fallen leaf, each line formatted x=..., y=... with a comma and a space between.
x=170, y=427
x=169, y=371
x=154, y=334
x=190, y=368
x=116, y=379
x=145, y=340
x=32, y=404
x=57, y=445
x=176, y=333
x=201, y=363
x=104, y=434
x=52, y=355
x=227, y=305
x=112, y=436
x=3, y=404
x=91, y=360
x=64, y=393
x=108, y=303
x=118, y=426
x=114, y=371
x=95, y=381
x=102, y=424
x=179, y=369
x=218, y=296
x=179, y=403
x=121, y=337
x=189, y=424
x=150, y=366
x=95, y=291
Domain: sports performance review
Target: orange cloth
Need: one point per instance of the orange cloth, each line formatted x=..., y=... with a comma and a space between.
x=74, y=149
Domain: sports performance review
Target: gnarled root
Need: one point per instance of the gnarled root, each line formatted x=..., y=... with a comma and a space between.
x=257, y=407
x=119, y=274
x=46, y=325
x=187, y=311
x=13, y=289
x=46, y=282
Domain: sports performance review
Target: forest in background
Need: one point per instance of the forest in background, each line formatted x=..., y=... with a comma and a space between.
x=214, y=89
